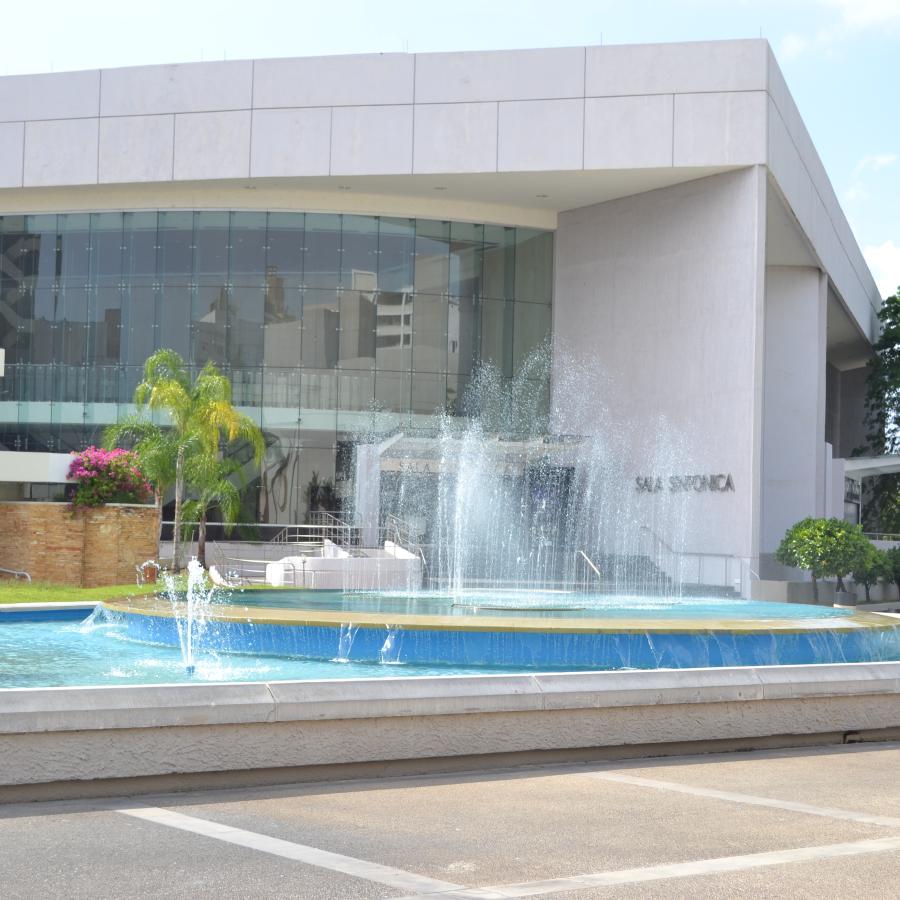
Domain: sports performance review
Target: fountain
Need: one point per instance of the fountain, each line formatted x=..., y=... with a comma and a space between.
x=537, y=557
x=537, y=554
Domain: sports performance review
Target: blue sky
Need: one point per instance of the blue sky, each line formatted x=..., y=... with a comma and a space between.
x=841, y=58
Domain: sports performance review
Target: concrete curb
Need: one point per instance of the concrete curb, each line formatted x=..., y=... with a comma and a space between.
x=85, y=741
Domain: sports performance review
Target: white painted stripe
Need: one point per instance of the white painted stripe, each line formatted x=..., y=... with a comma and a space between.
x=336, y=862
x=827, y=812
x=670, y=870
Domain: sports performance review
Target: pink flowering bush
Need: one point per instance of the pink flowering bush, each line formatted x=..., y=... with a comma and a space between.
x=107, y=476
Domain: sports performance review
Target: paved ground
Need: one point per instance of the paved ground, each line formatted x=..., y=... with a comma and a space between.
x=821, y=824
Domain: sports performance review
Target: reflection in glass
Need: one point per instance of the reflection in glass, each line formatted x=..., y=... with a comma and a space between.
x=323, y=322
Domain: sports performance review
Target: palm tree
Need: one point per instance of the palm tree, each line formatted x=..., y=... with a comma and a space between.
x=200, y=415
x=212, y=482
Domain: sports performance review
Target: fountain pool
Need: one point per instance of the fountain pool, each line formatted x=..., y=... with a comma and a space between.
x=289, y=635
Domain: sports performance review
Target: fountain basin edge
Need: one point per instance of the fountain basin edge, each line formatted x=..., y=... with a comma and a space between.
x=83, y=741
x=516, y=642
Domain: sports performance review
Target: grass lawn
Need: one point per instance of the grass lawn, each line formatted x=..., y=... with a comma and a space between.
x=43, y=592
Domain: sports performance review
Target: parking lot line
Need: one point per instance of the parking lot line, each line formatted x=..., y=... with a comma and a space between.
x=336, y=862
x=668, y=870
x=749, y=799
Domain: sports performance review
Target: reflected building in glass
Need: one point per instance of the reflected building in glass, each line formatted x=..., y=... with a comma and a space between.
x=323, y=322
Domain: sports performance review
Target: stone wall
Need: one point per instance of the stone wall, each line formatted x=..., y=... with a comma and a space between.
x=89, y=548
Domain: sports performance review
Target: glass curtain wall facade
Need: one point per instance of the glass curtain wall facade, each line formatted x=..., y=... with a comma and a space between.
x=322, y=322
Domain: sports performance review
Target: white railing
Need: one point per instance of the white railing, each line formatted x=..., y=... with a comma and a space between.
x=16, y=573
x=686, y=567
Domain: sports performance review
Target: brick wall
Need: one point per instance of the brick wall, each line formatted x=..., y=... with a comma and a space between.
x=89, y=548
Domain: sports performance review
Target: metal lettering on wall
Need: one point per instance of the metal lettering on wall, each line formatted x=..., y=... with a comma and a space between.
x=654, y=484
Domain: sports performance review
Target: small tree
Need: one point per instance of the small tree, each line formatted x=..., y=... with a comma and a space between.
x=882, y=507
x=872, y=567
x=211, y=481
x=200, y=416
x=892, y=571
x=827, y=548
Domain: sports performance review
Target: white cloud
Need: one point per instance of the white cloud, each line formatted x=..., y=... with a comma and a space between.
x=848, y=17
x=884, y=260
x=872, y=162
x=866, y=13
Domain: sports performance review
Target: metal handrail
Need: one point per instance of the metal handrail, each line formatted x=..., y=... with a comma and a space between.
x=16, y=573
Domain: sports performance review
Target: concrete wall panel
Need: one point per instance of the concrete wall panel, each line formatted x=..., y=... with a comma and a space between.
x=371, y=140
x=455, y=137
x=628, y=132
x=212, y=145
x=58, y=95
x=12, y=144
x=729, y=128
x=136, y=148
x=188, y=87
x=45, y=165
x=655, y=305
x=538, y=135
x=679, y=68
x=376, y=78
x=499, y=75
x=290, y=142
x=793, y=428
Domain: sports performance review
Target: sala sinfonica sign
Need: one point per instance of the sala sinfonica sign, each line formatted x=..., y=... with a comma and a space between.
x=653, y=484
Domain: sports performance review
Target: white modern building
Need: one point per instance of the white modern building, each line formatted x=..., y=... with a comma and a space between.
x=352, y=236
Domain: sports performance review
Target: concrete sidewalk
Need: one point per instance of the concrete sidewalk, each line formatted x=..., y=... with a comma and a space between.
x=817, y=823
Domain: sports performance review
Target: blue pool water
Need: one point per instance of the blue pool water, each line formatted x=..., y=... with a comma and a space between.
x=57, y=653
x=60, y=648
x=543, y=604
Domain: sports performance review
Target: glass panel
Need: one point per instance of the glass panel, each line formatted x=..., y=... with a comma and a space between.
x=284, y=257
x=75, y=244
x=393, y=390
x=211, y=248
x=534, y=265
x=432, y=256
x=209, y=321
x=318, y=389
x=322, y=259
x=430, y=333
x=140, y=329
x=45, y=335
x=357, y=334
x=396, y=254
x=359, y=253
x=321, y=318
x=283, y=319
x=531, y=330
x=248, y=248
x=246, y=389
x=499, y=262
x=281, y=388
x=105, y=325
x=106, y=248
x=139, y=254
x=175, y=319
x=496, y=334
x=466, y=259
x=356, y=390
x=463, y=334
x=245, y=339
x=44, y=260
x=72, y=314
x=393, y=331
x=429, y=393
x=176, y=247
